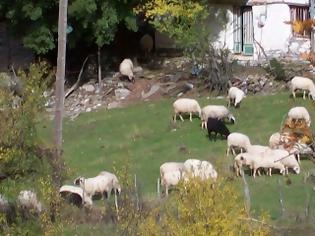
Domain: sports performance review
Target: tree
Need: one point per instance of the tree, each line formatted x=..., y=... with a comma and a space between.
x=33, y=21
x=187, y=23
x=96, y=22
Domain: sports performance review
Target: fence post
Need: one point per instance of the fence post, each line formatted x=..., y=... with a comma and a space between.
x=246, y=193
x=158, y=187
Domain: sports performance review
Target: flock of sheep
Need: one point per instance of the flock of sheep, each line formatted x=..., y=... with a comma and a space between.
x=273, y=157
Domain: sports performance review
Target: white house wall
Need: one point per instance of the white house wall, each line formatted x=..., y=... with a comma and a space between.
x=223, y=32
x=276, y=36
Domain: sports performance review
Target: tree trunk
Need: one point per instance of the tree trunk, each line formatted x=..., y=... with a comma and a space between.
x=60, y=78
x=100, y=85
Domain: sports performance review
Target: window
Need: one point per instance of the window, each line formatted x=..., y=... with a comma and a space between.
x=299, y=13
x=243, y=30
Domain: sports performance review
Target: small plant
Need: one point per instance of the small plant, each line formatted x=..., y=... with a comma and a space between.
x=277, y=69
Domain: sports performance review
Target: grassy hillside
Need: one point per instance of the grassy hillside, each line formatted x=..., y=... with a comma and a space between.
x=144, y=136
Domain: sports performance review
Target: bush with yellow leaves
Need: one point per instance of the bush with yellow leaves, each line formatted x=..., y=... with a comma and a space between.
x=203, y=208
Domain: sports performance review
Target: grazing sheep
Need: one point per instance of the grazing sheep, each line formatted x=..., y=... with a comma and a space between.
x=207, y=171
x=275, y=140
x=202, y=169
x=126, y=69
x=115, y=182
x=101, y=184
x=75, y=195
x=171, y=173
x=215, y=111
x=27, y=200
x=146, y=44
x=192, y=167
x=287, y=159
x=237, y=140
x=235, y=95
x=257, y=149
x=304, y=84
x=186, y=105
x=243, y=159
x=4, y=204
x=217, y=126
x=300, y=113
x=258, y=160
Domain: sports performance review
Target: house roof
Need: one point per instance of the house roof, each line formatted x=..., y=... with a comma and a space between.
x=289, y=2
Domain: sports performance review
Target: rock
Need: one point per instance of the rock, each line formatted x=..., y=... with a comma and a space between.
x=137, y=69
x=113, y=105
x=152, y=91
x=121, y=93
x=88, y=88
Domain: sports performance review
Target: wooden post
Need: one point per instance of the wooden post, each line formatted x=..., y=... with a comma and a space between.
x=100, y=84
x=60, y=78
x=158, y=187
x=246, y=193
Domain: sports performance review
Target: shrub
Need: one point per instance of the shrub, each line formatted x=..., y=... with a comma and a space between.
x=202, y=208
x=18, y=117
x=277, y=69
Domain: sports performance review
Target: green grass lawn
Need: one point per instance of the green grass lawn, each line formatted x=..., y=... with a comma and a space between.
x=143, y=135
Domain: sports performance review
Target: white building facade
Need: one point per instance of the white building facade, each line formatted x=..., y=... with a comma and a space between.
x=260, y=27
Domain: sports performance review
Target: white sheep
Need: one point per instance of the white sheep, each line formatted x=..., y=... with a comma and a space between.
x=305, y=84
x=269, y=163
x=126, y=69
x=28, y=200
x=239, y=140
x=215, y=111
x=101, y=184
x=275, y=140
x=300, y=113
x=257, y=149
x=243, y=159
x=4, y=204
x=115, y=183
x=286, y=158
x=207, y=171
x=171, y=173
x=198, y=168
x=186, y=105
x=76, y=195
x=235, y=95
x=146, y=44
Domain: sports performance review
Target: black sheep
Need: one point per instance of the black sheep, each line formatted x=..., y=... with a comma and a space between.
x=218, y=127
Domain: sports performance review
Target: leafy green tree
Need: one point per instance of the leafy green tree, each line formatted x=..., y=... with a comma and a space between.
x=94, y=22
x=34, y=21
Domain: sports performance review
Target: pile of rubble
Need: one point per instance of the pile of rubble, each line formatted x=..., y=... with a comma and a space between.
x=165, y=78
x=115, y=93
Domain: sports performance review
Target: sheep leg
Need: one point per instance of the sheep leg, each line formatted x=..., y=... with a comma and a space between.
x=166, y=190
x=227, y=151
x=233, y=151
x=174, y=119
x=254, y=173
x=304, y=94
x=180, y=116
x=190, y=116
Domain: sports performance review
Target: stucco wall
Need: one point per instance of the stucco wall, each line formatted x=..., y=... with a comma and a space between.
x=276, y=36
